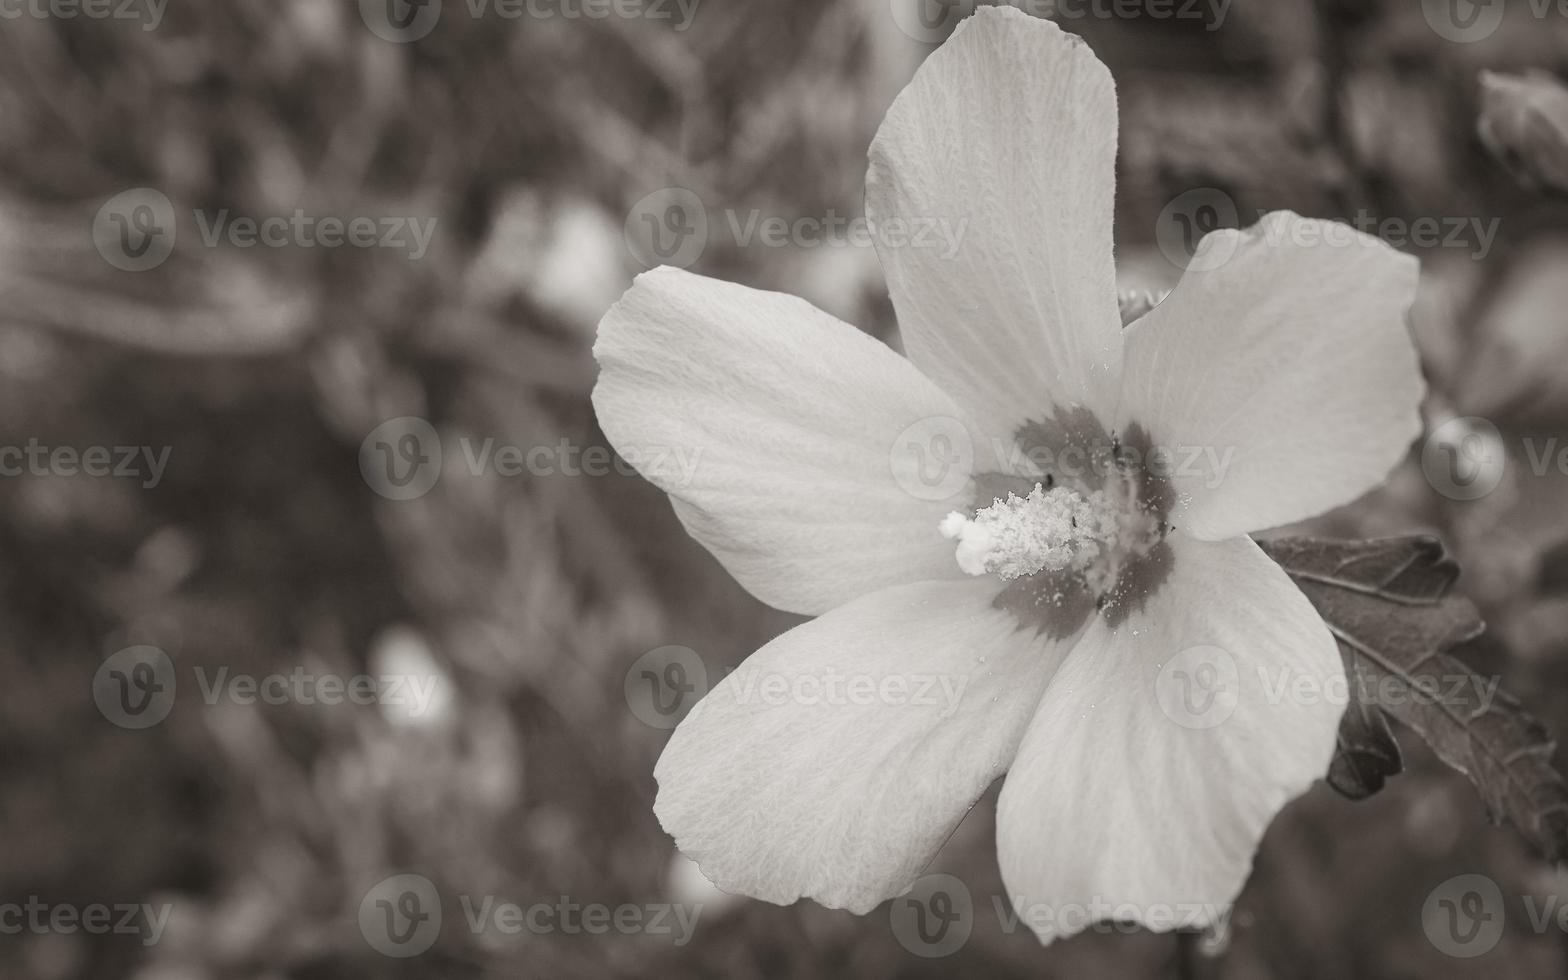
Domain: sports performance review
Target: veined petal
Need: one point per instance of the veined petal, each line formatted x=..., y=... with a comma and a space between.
x=835, y=761
x=1279, y=374
x=812, y=460
x=1006, y=138
x=1163, y=748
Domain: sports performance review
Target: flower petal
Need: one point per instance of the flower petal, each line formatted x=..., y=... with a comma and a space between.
x=1279, y=374
x=1163, y=748
x=812, y=460
x=835, y=761
x=1005, y=145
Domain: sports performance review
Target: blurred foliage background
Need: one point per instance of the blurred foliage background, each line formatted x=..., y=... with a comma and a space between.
x=263, y=549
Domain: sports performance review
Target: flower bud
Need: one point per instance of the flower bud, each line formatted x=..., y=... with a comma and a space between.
x=1524, y=123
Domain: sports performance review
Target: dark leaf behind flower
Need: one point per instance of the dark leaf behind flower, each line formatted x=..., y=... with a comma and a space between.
x=1389, y=604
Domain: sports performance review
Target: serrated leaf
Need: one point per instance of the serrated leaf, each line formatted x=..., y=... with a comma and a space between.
x=1368, y=753
x=1388, y=603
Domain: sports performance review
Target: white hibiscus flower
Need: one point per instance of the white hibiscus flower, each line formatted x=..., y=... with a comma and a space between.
x=1061, y=605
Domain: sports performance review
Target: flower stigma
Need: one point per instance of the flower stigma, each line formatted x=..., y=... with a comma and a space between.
x=1048, y=530
x=1085, y=536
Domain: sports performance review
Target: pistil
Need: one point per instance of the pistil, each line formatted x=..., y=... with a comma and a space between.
x=1048, y=530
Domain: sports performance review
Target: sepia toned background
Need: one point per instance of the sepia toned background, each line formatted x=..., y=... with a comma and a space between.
x=290, y=389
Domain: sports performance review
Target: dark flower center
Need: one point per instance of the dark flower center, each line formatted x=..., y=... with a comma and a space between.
x=1073, y=450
